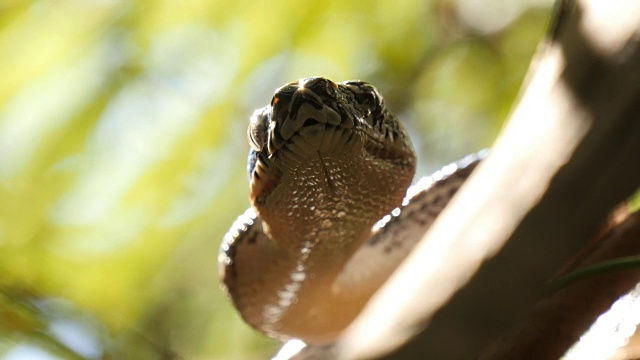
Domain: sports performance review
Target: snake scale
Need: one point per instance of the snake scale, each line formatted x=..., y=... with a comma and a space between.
x=331, y=217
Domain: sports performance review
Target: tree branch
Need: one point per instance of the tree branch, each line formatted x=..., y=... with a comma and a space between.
x=568, y=155
x=558, y=320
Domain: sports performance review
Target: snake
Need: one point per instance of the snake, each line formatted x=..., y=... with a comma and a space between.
x=332, y=212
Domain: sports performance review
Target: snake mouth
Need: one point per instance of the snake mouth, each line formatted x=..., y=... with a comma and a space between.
x=313, y=140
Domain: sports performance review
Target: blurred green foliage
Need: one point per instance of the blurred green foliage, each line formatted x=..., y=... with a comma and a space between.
x=122, y=146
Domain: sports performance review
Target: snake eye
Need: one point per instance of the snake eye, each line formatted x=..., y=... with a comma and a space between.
x=258, y=128
x=368, y=100
x=366, y=94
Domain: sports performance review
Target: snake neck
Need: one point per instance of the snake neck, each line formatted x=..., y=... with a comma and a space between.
x=317, y=218
x=318, y=199
x=329, y=204
x=281, y=294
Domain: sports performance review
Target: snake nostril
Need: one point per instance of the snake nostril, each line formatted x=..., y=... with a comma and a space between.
x=310, y=122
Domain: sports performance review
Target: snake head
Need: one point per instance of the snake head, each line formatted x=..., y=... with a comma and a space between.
x=313, y=117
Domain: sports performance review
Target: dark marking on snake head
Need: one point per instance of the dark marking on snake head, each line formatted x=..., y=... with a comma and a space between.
x=252, y=238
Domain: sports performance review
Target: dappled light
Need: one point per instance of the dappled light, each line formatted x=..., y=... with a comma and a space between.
x=123, y=147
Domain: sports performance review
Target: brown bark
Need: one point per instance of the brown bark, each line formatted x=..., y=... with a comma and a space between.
x=558, y=320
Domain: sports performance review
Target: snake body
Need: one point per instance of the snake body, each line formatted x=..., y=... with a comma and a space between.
x=329, y=167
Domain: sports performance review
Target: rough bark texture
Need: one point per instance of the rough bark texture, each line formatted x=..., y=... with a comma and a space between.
x=558, y=320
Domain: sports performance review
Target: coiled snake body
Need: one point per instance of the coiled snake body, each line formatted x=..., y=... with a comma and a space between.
x=329, y=167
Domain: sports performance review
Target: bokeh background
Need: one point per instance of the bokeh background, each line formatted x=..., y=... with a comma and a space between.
x=123, y=146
